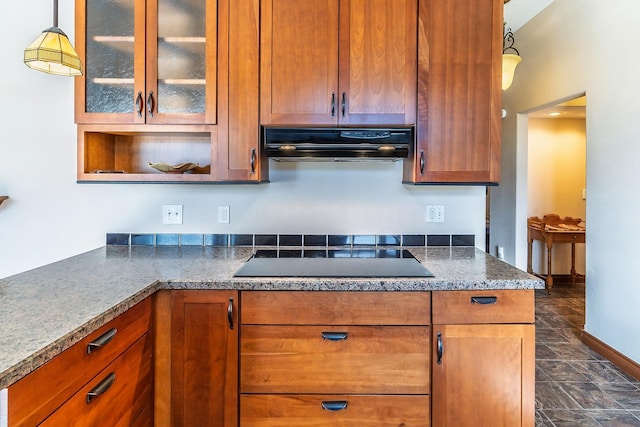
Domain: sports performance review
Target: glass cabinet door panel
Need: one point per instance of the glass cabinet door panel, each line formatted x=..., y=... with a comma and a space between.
x=182, y=56
x=109, y=67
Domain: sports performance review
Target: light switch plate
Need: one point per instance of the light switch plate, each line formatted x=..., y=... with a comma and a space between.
x=223, y=215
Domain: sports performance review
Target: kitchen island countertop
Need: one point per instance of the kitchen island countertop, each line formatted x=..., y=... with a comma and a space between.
x=46, y=310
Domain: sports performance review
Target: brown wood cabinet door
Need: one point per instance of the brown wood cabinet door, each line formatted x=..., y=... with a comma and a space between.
x=459, y=92
x=299, y=62
x=239, y=156
x=204, y=358
x=378, y=50
x=483, y=375
x=339, y=62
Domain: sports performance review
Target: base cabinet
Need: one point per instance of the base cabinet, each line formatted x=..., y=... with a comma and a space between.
x=483, y=358
x=113, y=363
x=197, y=367
x=335, y=358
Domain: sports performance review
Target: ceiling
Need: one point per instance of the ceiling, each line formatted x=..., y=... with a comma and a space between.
x=519, y=12
x=572, y=109
x=516, y=14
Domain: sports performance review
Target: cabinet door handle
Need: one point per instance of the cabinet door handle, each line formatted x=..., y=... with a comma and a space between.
x=333, y=104
x=101, y=388
x=440, y=348
x=421, y=162
x=343, y=104
x=230, y=313
x=151, y=104
x=101, y=341
x=334, y=405
x=334, y=336
x=139, y=102
x=484, y=300
x=253, y=160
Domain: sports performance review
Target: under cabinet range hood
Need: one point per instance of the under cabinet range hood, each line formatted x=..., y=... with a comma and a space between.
x=336, y=144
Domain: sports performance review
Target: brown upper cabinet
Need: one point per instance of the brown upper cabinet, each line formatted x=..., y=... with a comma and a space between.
x=147, y=61
x=338, y=62
x=459, y=93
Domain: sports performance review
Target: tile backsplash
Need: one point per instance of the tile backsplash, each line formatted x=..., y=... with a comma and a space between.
x=289, y=240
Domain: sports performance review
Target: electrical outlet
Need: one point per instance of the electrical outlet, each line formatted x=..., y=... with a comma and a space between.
x=223, y=215
x=435, y=213
x=172, y=214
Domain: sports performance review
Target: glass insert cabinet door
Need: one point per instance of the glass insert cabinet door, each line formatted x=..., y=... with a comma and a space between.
x=148, y=61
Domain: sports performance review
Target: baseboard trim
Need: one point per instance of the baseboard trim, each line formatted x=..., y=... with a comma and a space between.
x=614, y=356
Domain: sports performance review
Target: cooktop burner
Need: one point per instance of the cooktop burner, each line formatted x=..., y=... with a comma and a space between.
x=333, y=263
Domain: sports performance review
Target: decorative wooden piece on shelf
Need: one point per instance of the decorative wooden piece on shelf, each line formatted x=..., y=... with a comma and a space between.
x=180, y=168
x=3, y=198
x=553, y=229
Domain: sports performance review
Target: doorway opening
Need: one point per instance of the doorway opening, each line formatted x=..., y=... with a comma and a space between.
x=556, y=181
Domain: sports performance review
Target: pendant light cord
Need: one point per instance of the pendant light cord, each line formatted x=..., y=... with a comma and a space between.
x=55, y=13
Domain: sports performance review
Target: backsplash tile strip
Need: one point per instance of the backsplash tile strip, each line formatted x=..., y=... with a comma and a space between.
x=339, y=240
x=314, y=240
x=191, y=239
x=119, y=239
x=288, y=240
x=142, y=240
x=463, y=240
x=241, y=240
x=167, y=239
x=438, y=240
x=388, y=240
x=216, y=240
x=413, y=240
x=265, y=240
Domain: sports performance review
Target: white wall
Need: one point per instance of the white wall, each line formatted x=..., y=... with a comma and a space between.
x=573, y=47
x=50, y=217
x=556, y=179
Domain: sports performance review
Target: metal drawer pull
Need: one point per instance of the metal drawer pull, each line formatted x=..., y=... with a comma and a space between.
x=484, y=300
x=101, y=388
x=337, y=405
x=101, y=341
x=334, y=336
x=440, y=348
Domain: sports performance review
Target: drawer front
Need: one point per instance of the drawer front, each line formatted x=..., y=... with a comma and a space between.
x=39, y=394
x=463, y=307
x=122, y=391
x=335, y=308
x=335, y=359
x=333, y=410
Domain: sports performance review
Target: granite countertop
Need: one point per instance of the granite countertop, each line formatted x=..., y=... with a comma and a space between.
x=48, y=309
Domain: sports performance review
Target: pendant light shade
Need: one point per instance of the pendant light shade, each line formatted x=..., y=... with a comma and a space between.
x=509, y=64
x=509, y=60
x=52, y=51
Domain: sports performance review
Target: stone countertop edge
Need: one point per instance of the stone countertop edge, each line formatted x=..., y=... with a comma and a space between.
x=120, y=277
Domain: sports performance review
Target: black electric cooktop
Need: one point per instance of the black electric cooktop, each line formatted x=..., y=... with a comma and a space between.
x=333, y=263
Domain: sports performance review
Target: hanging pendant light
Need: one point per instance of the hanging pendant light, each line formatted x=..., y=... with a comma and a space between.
x=52, y=51
x=509, y=60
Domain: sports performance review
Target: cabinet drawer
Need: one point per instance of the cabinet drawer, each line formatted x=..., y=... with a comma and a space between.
x=335, y=308
x=38, y=394
x=460, y=307
x=335, y=359
x=303, y=410
x=126, y=392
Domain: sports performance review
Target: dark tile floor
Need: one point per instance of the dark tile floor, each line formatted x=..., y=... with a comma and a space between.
x=574, y=385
